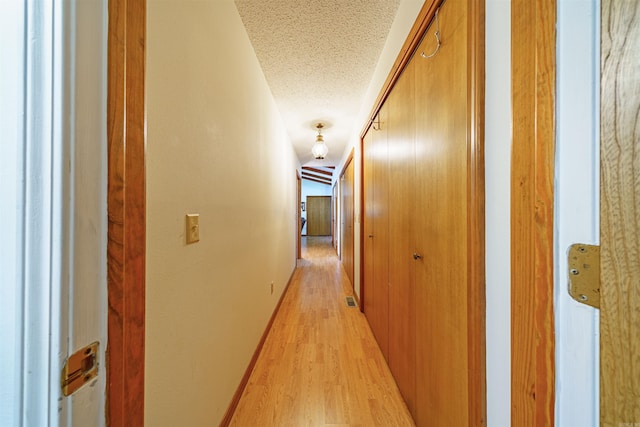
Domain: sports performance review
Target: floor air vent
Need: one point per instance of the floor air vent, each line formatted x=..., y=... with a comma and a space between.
x=351, y=302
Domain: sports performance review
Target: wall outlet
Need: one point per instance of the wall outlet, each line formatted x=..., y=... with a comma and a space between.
x=193, y=228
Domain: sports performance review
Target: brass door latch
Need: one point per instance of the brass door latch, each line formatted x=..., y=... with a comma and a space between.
x=80, y=368
x=584, y=274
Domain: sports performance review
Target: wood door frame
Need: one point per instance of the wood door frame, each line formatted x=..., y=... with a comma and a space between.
x=334, y=215
x=476, y=220
x=126, y=205
x=533, y=67
x=298, y=216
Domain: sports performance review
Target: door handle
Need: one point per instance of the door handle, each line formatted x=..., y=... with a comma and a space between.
x=370, y=236
x=417, y=256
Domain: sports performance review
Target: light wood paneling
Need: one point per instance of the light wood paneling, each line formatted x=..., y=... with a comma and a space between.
x=620, y=215
x=532, y=162
x=320, y=364
x=318, y=215
x=376, y=231
x=434, y=209
x=401, y=140
x=126, y=212
x=441, y=212
x=347, y=214
x=368, y=292
x=381, y=231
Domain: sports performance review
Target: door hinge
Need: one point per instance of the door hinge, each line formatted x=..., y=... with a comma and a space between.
x=79, y=368
x=584, y=274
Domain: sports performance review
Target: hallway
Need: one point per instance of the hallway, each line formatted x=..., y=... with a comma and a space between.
x=320, y=364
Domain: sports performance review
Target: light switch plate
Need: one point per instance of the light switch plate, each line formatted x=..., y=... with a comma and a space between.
x=193, y=228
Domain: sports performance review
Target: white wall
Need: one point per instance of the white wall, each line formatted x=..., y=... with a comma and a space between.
x=497, y=210
x=215, y=146
x=312, y=188
x=12, y=27
x=577, y=207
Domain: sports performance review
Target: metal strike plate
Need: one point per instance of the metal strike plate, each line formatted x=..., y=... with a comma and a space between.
x=80, y=368
x=584, y=274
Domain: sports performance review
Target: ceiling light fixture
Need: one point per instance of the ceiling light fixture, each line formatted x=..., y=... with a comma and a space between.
x=319, y=149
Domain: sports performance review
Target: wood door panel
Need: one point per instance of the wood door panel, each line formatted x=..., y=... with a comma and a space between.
x=368, y=254
x=376, y=232
x=346, y=190
x=402, y=355
x=381, y=231
x=441, y=210
x=318, y=215
x=424, y=196
x=620, y=215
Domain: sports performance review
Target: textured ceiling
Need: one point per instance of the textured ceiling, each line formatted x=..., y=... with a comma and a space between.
x=318, y=57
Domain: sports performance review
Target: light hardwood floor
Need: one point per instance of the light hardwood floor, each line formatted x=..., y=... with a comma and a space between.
x=320, y=365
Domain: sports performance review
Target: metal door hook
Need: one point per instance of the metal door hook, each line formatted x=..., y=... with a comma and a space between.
x=437, y=34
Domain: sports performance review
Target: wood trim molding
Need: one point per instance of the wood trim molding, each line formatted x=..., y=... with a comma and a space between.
x=533, y=69
x=298, y=216
x=346, y=163
x=126, y=202
x=362, y=231
x=226, y=420
x=476, y=291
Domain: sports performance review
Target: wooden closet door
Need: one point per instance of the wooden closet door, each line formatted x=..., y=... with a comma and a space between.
x=381, y=231
x=441, y=195
x=367, y=226
x=346, y=189
x=402, y=350
x=376, y=231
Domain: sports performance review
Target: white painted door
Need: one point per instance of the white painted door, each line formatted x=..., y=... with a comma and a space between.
x=52, y=207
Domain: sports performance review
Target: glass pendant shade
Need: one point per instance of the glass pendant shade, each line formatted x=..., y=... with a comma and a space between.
x=319, y=149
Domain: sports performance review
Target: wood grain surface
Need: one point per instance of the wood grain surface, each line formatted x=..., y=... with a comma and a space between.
x=441, y=212
x=533, y=102
x=620, y=215
x=126, y=213
x=348, y=217
x=318, y=215
x=402, y=303
x=320, y=364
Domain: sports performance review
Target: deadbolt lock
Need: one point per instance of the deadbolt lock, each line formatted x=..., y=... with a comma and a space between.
x=80, y=368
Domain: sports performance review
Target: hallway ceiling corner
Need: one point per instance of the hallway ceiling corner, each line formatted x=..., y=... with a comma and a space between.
x=318, y=57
